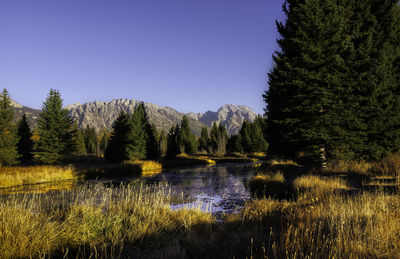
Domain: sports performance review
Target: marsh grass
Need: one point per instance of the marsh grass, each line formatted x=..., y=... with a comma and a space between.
x=16, y=176
x=97, y=220
x=349, y=167
x=319, y=185
x=136, y=221
x=271, y=185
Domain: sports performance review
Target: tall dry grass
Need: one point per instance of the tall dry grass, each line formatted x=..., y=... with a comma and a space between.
x=14, y=176
x=92, y=221
x=334, y=225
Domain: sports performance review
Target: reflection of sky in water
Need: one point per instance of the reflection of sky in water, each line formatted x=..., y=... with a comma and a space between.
x=217, y=188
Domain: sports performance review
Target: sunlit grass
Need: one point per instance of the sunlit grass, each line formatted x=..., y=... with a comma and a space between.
x=98, y=219
x=319, y=185
x=15, y=176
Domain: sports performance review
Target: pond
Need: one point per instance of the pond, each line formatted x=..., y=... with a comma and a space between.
x=218, y=188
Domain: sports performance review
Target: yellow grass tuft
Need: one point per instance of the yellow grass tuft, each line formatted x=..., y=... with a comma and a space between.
x=355, y=167
x=318, y=185
x=283, y=162
x=147, y=165
x=15, y=176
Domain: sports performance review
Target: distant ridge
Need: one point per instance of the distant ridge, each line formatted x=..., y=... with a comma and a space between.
x=101, y=115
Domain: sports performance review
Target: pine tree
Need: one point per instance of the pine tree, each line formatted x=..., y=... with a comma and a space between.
x=162, y=143
x=104, y=141
x=204, y=142
x=121, y=139
x=245, y=137
x=55, y=130
x=90, y=137
x=25, y=143
x=324, y=87
x=186, y=139
x=8, y=137
x=140, y=146
x=173, y=148
x=234, y=144
x=80, y=140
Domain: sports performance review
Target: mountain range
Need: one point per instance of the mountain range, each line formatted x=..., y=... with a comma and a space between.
x=101, y=115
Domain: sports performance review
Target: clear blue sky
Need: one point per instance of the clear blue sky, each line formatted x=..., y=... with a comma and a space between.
x=192, y=55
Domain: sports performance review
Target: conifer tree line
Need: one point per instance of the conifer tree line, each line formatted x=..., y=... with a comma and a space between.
x=57, y=138
x=334, y=87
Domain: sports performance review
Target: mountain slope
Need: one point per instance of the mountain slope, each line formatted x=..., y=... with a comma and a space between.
x=101, y=115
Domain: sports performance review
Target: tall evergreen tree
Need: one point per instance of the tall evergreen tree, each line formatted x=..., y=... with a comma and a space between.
x=25, y=143
x=90, y=137
x=140, y=146
x=80, y=140
x=186, y=139
x=204, y=142
x=332, y=89
x=8, y=137
x=234, y=144
x=245, y=137
x=173, y=148
x=121, y=139
x=162, y=143
x=55, y=130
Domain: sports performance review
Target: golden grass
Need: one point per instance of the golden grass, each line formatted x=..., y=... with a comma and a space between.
x=147, y=166
x=276, y=177
x=319, y=185
x=97, y=220
x=283, y=162
x=355, y=167
x=14, y=176
x=390, y=165
x=332, y=226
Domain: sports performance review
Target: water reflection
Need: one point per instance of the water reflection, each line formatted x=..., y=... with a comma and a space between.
x=217, y=188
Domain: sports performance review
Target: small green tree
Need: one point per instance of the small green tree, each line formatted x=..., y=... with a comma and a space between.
x=55, y=130
x=25, y=143
x=8, y=137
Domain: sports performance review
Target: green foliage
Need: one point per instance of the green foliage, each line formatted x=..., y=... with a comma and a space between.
x=8, y=137
x=121, y=139
x=56, y=132
x=80, y=141
x=90, y=137
x=186, y=139
x=334, y=84
x=218, y=139
x=139, y=147
x=25, y=143
x=104, y=136
x=173, y=148
x=251, y=136
x=204, y=141
x=162, y=143
x=133, y=137
x=234, y=144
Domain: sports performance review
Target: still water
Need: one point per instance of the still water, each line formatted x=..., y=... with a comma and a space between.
x=218, y=188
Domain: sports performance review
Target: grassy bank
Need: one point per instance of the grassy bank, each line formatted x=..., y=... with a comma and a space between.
x=132, y=221
x=19, y=175
x=15, y=176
